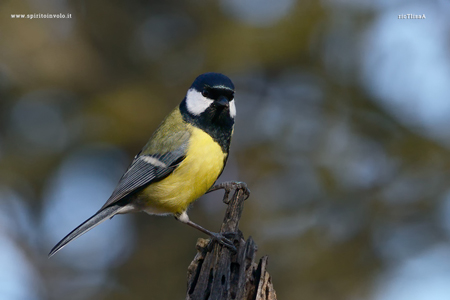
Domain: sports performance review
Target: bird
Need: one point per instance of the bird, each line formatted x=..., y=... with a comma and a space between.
x=182, y=161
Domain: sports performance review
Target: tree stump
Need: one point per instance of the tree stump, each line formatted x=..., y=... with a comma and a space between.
x=216, y=273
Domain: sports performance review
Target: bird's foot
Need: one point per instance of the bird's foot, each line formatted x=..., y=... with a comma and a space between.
x=228, y=186
x=223, y=239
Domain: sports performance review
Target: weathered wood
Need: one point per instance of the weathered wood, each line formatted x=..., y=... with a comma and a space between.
x=218, y=274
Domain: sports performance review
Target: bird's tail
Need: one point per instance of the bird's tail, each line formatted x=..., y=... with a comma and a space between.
x=99, y=217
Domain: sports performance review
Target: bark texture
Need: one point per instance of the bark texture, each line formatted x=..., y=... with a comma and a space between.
x=216, y=273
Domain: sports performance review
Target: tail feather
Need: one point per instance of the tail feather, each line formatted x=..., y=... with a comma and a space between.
x=99, y=217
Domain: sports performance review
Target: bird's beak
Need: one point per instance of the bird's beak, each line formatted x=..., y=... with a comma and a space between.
x=222, y=101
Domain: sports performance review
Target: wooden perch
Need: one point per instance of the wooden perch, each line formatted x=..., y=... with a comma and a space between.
x=216, y=273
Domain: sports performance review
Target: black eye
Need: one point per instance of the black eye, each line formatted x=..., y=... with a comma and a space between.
x=205, y=93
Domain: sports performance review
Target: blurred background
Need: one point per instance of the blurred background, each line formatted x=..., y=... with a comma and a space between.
x=342, y=134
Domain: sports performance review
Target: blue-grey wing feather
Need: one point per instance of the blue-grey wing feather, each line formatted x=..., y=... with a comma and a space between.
x=142, y=173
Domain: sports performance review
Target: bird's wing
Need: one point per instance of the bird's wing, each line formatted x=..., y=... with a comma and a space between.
x=146, y=169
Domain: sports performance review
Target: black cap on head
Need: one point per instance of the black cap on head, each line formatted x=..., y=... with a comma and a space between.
x=213, y=80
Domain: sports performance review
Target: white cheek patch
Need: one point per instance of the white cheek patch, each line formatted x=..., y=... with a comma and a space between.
x=232, y=109
x=196, y=103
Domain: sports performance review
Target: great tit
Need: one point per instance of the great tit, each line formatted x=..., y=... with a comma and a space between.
x=181, y=161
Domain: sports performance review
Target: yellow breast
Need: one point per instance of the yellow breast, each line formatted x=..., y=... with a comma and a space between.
x=191, y=179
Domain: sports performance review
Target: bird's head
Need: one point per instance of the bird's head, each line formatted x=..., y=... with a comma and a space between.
x=211, y=97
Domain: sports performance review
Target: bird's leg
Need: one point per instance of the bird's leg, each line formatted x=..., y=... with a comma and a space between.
x=221, y=239
x=228, y=186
